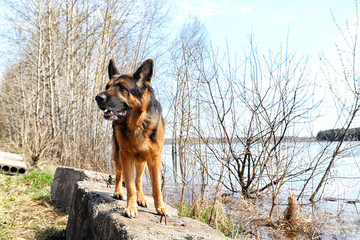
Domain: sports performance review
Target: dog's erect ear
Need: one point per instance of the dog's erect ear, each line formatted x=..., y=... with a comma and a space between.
x=144, y=73
x=112, y=69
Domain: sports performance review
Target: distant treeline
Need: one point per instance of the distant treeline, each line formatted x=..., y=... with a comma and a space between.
x=337, y=134
x=214, y=140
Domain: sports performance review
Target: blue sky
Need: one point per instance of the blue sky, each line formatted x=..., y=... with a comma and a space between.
x=310, y=25
x=309, y=22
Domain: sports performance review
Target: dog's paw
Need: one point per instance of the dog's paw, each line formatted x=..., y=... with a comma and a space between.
x=118, y=196
x=130, y=212
x=162, y=211
x=141, y=201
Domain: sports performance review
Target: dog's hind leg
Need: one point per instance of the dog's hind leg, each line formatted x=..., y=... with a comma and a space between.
x=154, y=166
x=140, y=166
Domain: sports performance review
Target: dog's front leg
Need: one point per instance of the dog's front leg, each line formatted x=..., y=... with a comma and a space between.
x=118, y=183
x=154, y=165
x=128, y=171
x=116, y=158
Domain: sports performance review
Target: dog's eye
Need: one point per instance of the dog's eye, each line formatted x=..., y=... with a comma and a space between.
x=107, y=87
x=121, y=87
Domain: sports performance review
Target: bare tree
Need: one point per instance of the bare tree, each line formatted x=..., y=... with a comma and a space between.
x=346, y=95
x=186, y=52
x=60, y=52
x=256, y=108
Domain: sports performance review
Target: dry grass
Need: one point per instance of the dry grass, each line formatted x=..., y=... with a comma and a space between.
x=296, y=221
x=26, y=211
x=213, y=213
x=7, y=145
x=291, y=223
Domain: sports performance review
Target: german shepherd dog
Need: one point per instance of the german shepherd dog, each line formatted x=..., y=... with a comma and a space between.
x=138, y=133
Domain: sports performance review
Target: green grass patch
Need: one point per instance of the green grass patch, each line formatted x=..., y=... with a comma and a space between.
x=26, y=210
x=39, y=184
x=35, y=185
x=39, y=180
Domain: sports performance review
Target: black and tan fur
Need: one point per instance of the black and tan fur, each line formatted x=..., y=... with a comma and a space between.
x=138, y=133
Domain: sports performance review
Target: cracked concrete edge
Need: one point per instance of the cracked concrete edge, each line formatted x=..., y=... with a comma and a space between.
x=95, y=214
x=65, y=179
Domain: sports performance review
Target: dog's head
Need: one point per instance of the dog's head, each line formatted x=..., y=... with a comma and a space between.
x=124, y=92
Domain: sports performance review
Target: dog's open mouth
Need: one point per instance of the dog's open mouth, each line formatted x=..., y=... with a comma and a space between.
x=115, y=114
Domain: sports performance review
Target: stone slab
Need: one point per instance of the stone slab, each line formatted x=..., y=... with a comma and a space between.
x=95, y=214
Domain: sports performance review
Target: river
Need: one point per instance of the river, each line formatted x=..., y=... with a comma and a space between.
x=337, y=211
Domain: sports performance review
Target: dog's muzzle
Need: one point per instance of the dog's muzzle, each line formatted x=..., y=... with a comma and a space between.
x=112, y=111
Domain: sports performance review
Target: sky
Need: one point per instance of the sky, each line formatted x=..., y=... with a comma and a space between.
x=309, y=25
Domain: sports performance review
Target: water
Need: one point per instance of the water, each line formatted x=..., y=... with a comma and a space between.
x=343, y=181
x=338, y=209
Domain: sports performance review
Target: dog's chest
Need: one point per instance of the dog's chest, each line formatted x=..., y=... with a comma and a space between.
x=134, y=142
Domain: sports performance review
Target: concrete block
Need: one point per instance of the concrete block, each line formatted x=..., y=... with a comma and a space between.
x=95, y=214
x=65, y=179
x=11, y=163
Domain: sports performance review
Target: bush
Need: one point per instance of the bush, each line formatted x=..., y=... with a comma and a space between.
x=212, y=213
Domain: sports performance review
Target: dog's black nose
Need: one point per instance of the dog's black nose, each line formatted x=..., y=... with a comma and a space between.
x=100, y=98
